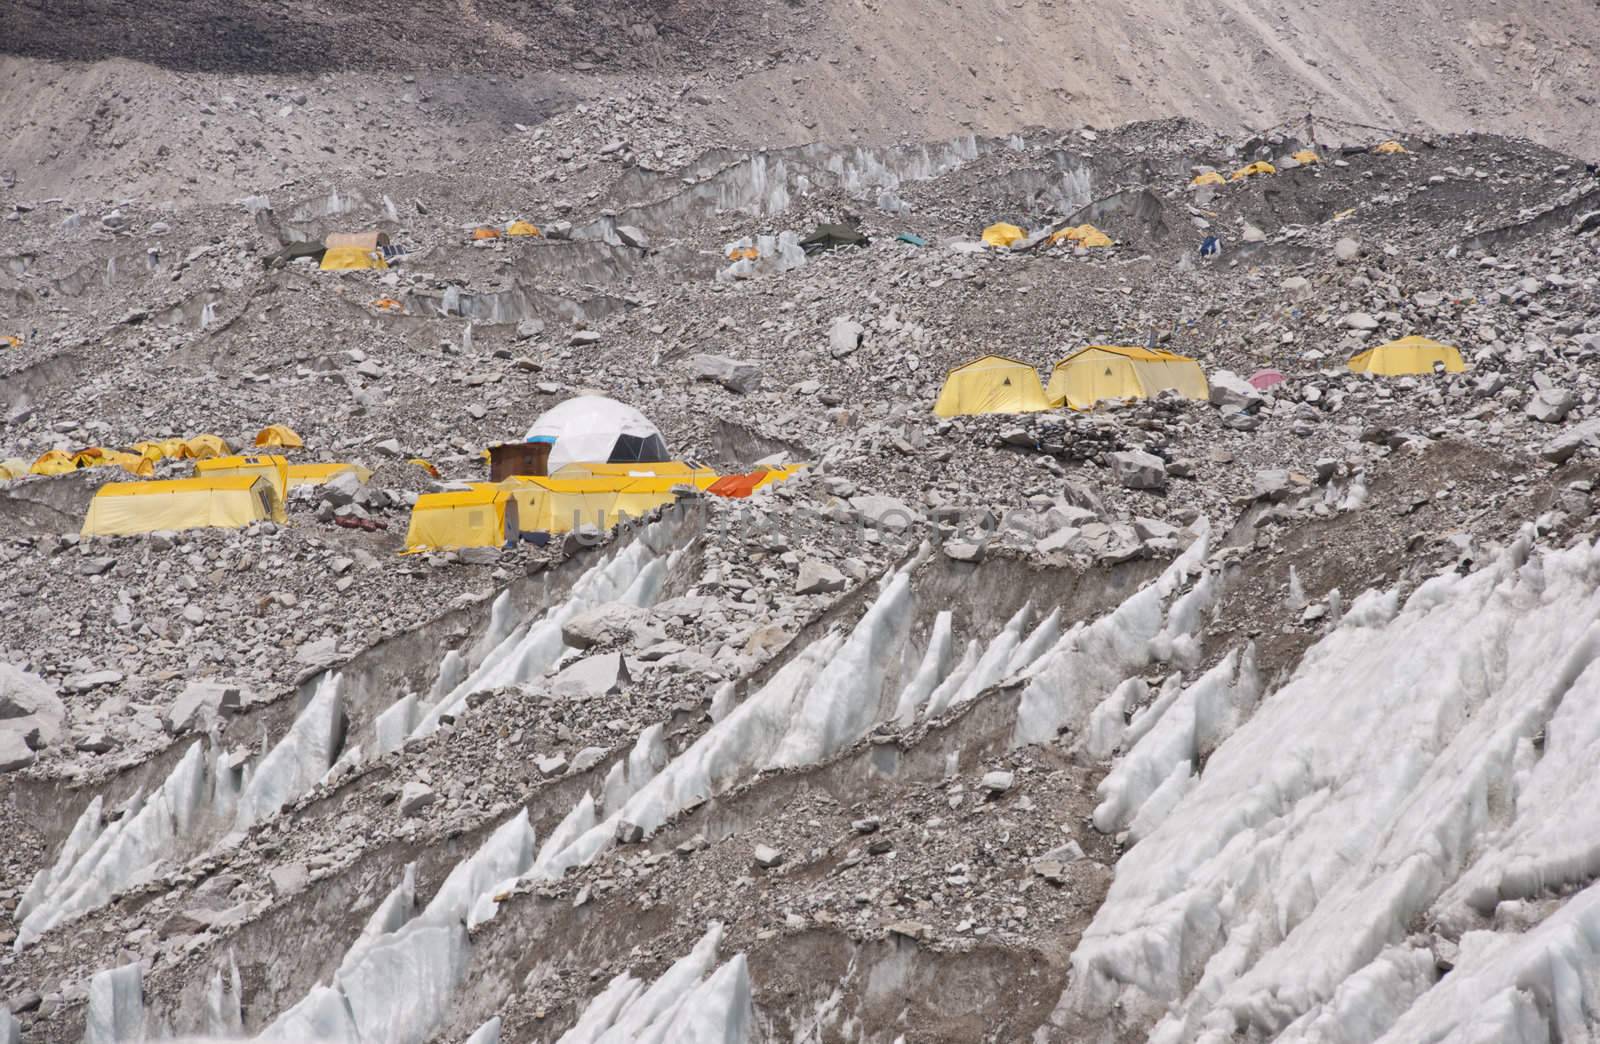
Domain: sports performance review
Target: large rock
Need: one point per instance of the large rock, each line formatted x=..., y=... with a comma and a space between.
x=818, y=578
x=1361, y=321
x=845, y=336
x=737, y=375
x=1551, y=405
x=886, y=512
x=1347, y=249
x=1136, y=469
x=14, y=751
x=198, y=705
x=29, y=708
x=1229, y=389
x=605, y=624
x=593, y=676
x=1563, y=447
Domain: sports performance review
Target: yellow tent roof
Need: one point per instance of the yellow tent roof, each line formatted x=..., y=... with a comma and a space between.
x=126, y=508
x=345, y=258
x=156, y=449
x=521, y=228
x=990, y=384
x=1120, y=372
x=1305, y=156
x=1252, y=169
x=99, y=456
x=203, y=446
x=1210, y=177
x=317, y=474
x=1082, y=235
x=272, y=468
x=675, y=469
x=1390, y=148
x=278, y=435
x=53, y=462
x=1408, y=355
x=460, y=518
x=553, y=505
x=1001, y=234
x=486, y=232
x=13, y=340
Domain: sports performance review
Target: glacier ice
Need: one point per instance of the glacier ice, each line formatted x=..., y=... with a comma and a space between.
x=299, y=760
x=634, y=575
x=488, y=1033
x=1430, y=761
x=115, y=1012
x=689, y=1002
x=10, y=1029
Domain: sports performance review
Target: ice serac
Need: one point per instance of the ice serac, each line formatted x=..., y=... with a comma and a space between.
x=634, y=575
x=89, y=873
x=1091, y=659
x=10, y=1028
x=299, y=760
x=115, y=1013
x=395, y=986
x=689, y=1002
x=935, y=665
x=488, y=1033
x=1430, y=762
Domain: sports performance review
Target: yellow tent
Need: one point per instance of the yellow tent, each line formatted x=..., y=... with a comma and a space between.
x=1082, y=235
x=1305, y=156
x=1408, y=355
x=157, y=449
x=521, y=228
x=202, y=446
x=126, y=508
x=991, y=384
x=1210, y=177
x=559, y=505
x=53, y=462
x=274, y=469
x=1003, y=235
x=1251, y=170
x=1390, y=148
x=1105, y=372
x=346, y=258
x=12, y=468
x=484, y=516
x=486, y=233
x=278, y=435
x=748, y=253
x=317, y=474
x=428, y=467
x=13, y=340
x=98, y=456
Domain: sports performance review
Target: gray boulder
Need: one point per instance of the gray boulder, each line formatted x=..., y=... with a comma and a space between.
x=14, y=751
x=1229, y=389
x=198, y=705
x=737, y=375
x=29, y=708
x=1551, y=405
x=818, y=578
x=1136, y=469
x=885, y=512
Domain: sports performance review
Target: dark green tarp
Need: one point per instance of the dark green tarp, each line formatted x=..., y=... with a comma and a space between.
x=831, y=237
x=291, y=251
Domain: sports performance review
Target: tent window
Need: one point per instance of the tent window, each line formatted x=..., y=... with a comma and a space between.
x=475, y=518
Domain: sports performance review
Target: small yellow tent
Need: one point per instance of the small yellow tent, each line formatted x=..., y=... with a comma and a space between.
x=13, y=340
x=317, y=474
x=12, y=468
x=1306, y=156
x=1210, y=177
x=991, y=384
x=486, y=233
x=99, y=456
x=202, y=446
x=484, y=516
x=347, y=258
x=274, y=469
x=1107, y=372
x=1406, y=356
x=126, y=508
x=1081, y=235
x=747, y=253
x=278, y=435
x=428, y=466
x=521, y=228
x=53, y=462
x=1390, y=148
x=1251, y=170
x=1001, y=234
x=158, y=449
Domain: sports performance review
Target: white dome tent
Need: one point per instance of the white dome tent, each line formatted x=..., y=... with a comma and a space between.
x=593, y=428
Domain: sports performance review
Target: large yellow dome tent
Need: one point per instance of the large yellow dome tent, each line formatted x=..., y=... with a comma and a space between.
x=991, y=384
x=229, y=502
x=1409, y=355
x=1109, y=372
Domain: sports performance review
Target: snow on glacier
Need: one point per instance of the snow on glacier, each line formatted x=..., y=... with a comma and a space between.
x=1429, y=762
